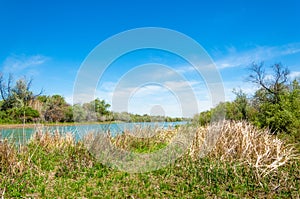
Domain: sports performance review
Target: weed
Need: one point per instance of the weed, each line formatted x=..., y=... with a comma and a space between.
x=244, y=163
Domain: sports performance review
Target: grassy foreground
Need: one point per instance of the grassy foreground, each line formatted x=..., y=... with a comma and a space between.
x=244, y=163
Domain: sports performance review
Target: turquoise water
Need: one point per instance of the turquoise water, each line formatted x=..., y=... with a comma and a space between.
x=20, y=135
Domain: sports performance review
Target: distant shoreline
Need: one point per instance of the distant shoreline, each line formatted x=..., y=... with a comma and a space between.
x=26, y=126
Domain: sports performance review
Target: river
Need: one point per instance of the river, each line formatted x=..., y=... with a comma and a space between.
x=22, y=135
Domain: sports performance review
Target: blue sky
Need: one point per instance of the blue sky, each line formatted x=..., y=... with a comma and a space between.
x=49, y=40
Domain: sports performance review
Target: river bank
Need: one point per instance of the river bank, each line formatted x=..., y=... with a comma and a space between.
x=19, y=126
x=56, y=166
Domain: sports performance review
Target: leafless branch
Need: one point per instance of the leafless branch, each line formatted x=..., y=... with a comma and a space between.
x=10, y=80
x=273, y=85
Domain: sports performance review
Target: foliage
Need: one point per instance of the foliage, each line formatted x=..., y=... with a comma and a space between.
x=275, y=105
x=23, y=114
x=282, y=116
x=79, y=114
x=96, y=110
x=129, y=117
x=55, y=108
x=19, y=104
x=16, y=95
x=16, y=101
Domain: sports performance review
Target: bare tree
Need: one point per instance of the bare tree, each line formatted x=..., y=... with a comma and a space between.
x=13, y=94
x=5, y=87
x=273, y=84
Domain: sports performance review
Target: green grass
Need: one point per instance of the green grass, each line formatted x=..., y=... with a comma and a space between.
x=65, y=170
x=69, y=174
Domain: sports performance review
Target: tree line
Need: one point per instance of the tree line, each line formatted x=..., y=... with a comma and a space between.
x=20, y=105
x=274, y=105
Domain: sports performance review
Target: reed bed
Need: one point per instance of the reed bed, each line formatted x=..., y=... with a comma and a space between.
x=226, y=159
x=54, y=140
x=15, y=159
x=243, y=143
x=227, y=141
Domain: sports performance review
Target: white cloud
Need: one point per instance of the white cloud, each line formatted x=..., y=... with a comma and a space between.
x=107, y=86
x=293, y=75
x=179, y=91
x=234, y=58
x=18, y=63
x=139, y=98
x=247, y=87
x=180, y=85
x=185, y=69
x=176, y=98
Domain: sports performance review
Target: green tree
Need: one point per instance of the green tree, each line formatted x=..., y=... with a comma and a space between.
x=101, y=107
x=18, y=94
x=55, y=109
x=283, y=116
x=275, y=105
x=79, y=113
x=241, y=104
x=204, y=117
x=69, y=114
x=276, y=101
x=97, y=110
x=23, y=114
x=17, y=98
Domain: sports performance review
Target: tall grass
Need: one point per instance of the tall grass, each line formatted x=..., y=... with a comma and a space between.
x=227, y=160
x=244, y=143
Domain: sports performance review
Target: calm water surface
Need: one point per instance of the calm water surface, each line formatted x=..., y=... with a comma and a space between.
x=20, y=135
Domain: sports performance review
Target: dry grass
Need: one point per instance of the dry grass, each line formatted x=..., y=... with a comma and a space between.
x=126, y=139
x=219, y=161
x=132, y=151
x=16, y=159
x=228, y=141
x=8, y=157
x=244, y=143
x=54, y=140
